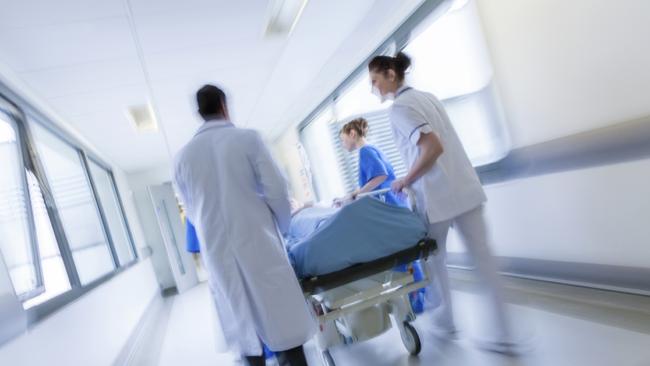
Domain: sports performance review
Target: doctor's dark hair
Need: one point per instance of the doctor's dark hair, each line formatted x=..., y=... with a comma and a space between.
x=211, y=101
x=399, y=64
x=359, y=125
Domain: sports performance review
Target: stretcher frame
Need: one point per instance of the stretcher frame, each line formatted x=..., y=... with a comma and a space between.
x=388, y=296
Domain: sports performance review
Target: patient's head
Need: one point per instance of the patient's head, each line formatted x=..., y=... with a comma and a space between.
x=353, y=134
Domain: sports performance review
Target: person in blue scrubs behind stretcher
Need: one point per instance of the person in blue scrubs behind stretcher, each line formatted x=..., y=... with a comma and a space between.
x=375, y=173
x=191, y=239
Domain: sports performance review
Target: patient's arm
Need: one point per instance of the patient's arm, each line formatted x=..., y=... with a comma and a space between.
x=297, y=206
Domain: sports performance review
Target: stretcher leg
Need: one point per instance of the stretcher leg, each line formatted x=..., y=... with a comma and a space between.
x=402, y=313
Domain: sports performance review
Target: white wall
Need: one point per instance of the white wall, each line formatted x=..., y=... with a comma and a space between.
x=596, y=215
x=91, y=330
x=565, y=67
x=14, y=319
x=568, y=66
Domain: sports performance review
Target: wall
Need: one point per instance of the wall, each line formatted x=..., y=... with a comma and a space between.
x=14, y=319
x=91, y=330
x=596, y=215
x=564, y=68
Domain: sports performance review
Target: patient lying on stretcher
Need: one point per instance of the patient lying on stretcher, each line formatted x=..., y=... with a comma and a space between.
x=324, y=240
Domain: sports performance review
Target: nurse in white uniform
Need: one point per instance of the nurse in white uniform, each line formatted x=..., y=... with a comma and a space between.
x=447, y=189
x=237, y=200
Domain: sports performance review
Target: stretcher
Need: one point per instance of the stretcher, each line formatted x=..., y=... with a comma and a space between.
x=358, y=303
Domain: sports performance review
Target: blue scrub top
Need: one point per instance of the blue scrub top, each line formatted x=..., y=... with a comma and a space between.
x=191, y=238
x=373, y=163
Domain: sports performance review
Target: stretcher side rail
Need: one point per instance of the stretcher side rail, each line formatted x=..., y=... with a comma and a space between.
x=321, y=283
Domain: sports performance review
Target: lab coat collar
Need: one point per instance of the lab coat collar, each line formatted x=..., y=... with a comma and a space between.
x=213, y=124
x=401, y=90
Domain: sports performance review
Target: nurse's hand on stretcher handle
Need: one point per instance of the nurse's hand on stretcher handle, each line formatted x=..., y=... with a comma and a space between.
x=398, y=185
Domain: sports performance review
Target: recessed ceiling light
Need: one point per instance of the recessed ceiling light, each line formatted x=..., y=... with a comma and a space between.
x=142, y=117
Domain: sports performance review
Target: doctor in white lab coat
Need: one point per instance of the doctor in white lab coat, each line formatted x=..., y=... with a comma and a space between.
x=237, y=199
x=447, y=190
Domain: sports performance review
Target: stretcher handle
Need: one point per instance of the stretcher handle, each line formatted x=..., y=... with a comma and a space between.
x=373, y=193
x=408, y=191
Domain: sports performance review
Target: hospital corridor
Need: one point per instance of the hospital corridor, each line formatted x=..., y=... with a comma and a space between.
x=325, y=182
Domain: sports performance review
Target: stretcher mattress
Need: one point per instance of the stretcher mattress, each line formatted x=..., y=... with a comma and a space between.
x=360, y=232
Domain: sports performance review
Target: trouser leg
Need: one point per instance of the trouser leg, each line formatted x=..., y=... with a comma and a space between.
x=472, y=230
x=292, y=357
x=438, y=291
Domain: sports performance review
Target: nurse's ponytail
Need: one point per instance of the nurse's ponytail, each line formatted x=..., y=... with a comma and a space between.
x=399, y=64
x=359, y=125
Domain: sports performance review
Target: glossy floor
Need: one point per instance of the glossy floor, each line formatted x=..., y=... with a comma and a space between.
x=560, y=325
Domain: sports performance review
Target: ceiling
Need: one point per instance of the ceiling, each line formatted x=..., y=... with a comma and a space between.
x=88, y=60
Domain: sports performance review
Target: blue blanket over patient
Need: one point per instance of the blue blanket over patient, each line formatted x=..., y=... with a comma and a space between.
x=360, y=232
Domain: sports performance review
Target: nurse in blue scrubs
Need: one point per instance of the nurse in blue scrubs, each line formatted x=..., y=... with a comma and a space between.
x=375, y=171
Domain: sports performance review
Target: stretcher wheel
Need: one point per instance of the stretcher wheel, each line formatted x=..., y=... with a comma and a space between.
x=411, y=339
x=327, y=358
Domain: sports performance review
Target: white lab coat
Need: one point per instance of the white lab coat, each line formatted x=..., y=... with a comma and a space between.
x=237, y=198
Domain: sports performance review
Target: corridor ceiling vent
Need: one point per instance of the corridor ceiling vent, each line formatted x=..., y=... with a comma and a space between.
x=282, y=17
x=143, y=118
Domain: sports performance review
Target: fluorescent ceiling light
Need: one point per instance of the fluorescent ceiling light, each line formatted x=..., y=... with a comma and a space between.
x=283, y=16
x=142, y=117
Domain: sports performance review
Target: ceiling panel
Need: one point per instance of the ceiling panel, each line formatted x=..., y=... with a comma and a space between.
x=199, y=27
x=148, y=7
x=43, y=47
x=211, y=59
x=27, y=13
x=115, y=99
x=85, y=78
x=117, y=138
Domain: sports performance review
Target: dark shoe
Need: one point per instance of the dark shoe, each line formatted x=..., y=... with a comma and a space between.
x=292, y=357
x=255, y=360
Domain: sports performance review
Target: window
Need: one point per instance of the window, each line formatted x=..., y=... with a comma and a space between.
x=17, y=244
x=325, y=171
x=55, y=277
x=451, y=60
x=113, y=213
x=62, y=225
x=76, y=206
